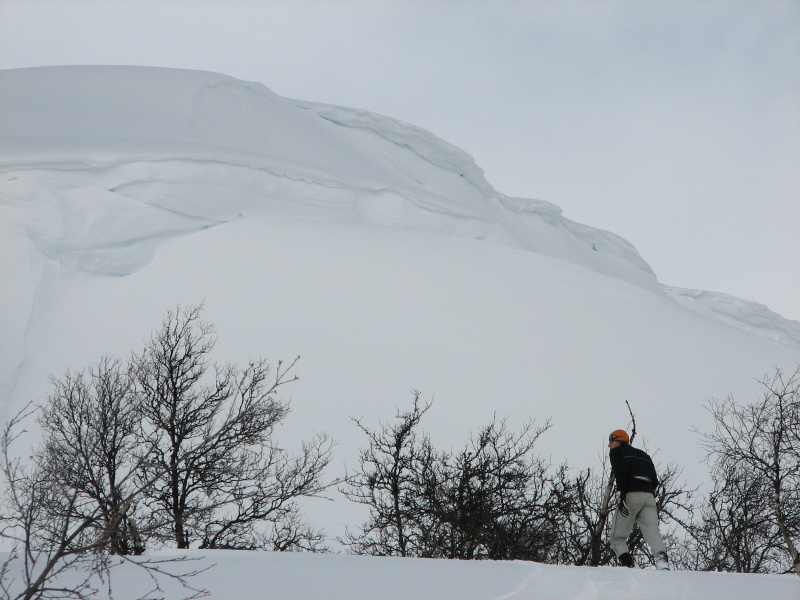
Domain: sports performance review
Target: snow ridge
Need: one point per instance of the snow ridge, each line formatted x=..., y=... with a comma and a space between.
x=419, y=141
x=100, y=165
x=740, y=313
x=98, y=149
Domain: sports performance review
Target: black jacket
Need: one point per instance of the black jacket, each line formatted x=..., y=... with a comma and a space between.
x=633, y=469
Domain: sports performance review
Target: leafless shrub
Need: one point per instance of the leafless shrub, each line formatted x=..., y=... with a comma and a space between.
x=754, y=451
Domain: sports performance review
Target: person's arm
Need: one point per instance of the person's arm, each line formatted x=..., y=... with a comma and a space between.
x=620, y=469
x=656, y=482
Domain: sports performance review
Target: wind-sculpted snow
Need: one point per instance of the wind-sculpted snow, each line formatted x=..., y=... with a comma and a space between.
x=370, y=247
x=526, y=217
x=217, y=148
x=737, y=312
x=406, y=136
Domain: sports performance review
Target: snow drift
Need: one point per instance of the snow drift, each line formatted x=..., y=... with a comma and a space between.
x=143, y=141
x=373, y=249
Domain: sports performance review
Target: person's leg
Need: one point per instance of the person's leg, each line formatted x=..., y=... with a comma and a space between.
x=622, y=526
x=647, y=518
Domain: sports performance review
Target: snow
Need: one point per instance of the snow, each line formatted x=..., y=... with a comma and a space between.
x=295, y=576
x=377, y=252
x=738, y=312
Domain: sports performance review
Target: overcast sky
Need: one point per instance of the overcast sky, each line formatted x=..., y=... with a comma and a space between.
x=673, y=124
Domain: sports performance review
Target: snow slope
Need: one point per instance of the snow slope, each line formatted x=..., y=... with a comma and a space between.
x=373, y=249
x=293, y=576
x=738, y=312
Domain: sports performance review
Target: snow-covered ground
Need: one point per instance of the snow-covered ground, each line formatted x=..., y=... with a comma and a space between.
x=375, y=251
x=292, y=576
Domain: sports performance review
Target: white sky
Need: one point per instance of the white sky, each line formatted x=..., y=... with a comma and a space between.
x=673, y=124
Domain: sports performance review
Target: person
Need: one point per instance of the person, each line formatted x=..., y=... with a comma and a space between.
x=636, y=502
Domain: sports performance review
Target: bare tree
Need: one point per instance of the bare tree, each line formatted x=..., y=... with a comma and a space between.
x=759, y=443
x=91, y=432
x=386, y=483
x=265, y=490
x=54, y=528
x=736, y=531
x=578, y=514
x=216, y=468
x=487, y=501
x=291, y=534
x=37, y=519
x=490, y=500
x=156, y=434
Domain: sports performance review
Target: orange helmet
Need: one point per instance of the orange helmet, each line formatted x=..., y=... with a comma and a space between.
x=619, y=435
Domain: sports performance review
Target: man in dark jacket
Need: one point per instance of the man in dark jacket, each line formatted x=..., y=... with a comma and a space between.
x=636, y=503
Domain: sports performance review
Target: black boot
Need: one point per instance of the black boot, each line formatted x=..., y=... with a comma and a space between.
x=626, y=560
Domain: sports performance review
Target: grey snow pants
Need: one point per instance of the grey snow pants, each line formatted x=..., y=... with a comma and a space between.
x=642, y=507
